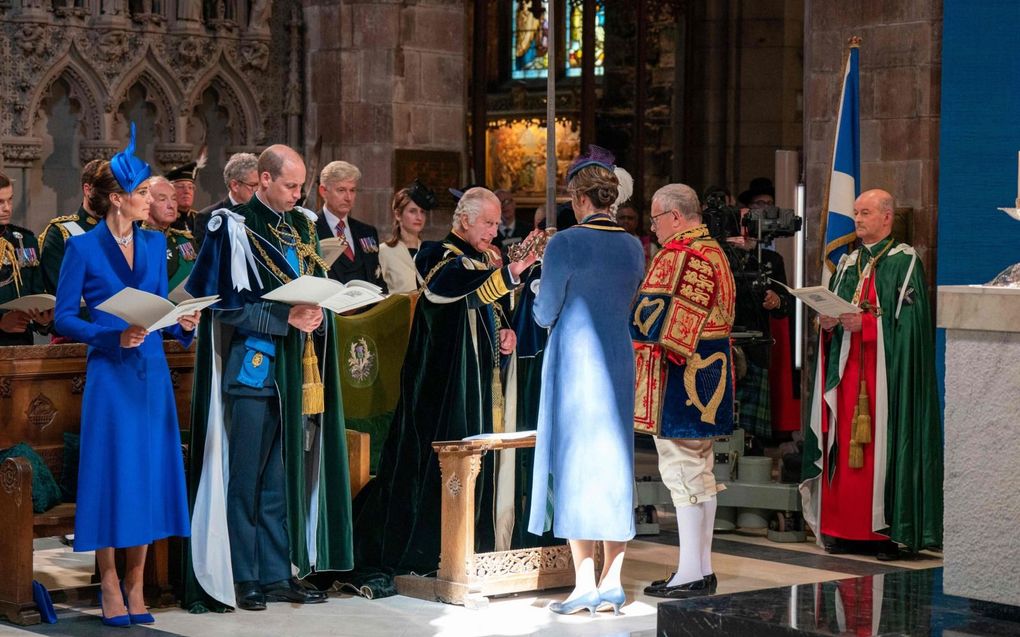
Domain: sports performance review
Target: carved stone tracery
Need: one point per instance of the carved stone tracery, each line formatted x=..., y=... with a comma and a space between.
x=101, y=60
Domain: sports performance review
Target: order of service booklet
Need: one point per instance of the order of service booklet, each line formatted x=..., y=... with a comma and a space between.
x=327, y=293
x=37, y=302
x=823, y=301
x=332, y=248
x=150, y=311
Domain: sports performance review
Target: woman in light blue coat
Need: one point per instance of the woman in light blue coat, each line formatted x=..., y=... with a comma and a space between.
x=584, y=455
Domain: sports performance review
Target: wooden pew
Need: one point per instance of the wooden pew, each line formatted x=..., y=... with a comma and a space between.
x=40, y=399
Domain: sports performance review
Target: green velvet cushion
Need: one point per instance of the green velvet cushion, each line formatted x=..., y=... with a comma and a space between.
x=45, y=492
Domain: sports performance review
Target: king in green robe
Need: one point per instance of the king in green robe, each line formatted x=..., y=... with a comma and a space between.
x=873, y=450
x=248, y=252
x=447, y=393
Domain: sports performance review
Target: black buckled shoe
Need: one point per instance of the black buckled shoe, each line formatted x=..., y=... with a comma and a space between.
x=711, y=581
x=293, y=591
x=697, y=588
x=659, y=583
x=249, y=596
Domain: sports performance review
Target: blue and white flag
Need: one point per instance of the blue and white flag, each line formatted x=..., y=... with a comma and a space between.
x=845, y=178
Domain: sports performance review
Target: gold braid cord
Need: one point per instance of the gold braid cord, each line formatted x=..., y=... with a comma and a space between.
x=312, y=390
x=9, y=255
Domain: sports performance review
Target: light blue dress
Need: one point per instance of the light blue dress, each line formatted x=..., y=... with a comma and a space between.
x=131, y=488
x=584, y=453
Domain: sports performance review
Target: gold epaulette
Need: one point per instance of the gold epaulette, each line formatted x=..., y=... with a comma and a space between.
x=181, y=233
x=56, y=221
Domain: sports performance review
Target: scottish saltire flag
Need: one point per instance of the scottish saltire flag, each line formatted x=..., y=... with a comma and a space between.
x=845, y=178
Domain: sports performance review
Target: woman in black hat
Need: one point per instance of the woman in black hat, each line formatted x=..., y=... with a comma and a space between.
x=396, y=257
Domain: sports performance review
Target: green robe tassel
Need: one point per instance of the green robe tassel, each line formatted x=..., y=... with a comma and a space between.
x=312, y=395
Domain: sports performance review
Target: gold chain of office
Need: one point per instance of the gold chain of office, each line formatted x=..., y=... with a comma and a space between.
x=308, y=256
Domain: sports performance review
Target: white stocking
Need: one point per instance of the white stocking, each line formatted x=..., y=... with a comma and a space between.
x=690, y=527
x=708, y=527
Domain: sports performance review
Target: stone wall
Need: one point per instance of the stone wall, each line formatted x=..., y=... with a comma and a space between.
x=73, y=77
x=900, y=86
x=385, y=75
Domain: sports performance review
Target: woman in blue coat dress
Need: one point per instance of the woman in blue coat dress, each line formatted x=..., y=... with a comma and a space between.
x=584, y=453
x=131, y=488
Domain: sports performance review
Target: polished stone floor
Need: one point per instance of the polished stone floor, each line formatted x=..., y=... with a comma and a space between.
x=744, y=563
x=905, y=602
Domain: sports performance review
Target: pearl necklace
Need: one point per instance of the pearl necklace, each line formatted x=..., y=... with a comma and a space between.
x=124, y=241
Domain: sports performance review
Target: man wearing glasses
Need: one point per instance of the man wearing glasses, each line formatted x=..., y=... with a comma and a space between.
x=241, y=177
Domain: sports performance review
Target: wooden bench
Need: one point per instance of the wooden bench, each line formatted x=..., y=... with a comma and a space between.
x=40, y=399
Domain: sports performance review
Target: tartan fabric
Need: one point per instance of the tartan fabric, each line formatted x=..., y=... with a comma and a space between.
x=755, y=407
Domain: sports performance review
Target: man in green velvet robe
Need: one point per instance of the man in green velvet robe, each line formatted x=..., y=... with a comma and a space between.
x=449, y=390
x=873, y=451
x=270, y=482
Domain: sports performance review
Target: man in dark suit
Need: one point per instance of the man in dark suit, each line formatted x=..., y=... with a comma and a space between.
x=338, y=188
x=510, y=231
x=241, y=176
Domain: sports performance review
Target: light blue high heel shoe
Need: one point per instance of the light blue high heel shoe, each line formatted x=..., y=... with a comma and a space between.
x=589, y=601
x=613, y=598
x=120, y=621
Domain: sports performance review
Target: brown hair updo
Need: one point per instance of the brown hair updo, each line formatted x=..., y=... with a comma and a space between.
x=599, y=184
x=400, y=200
x=103, y=185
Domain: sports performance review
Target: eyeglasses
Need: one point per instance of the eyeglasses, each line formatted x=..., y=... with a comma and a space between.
x=654, y=217
x=253, y=186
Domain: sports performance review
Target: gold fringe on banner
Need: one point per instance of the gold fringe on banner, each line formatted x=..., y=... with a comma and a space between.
x=856, y=455
x=312, y=394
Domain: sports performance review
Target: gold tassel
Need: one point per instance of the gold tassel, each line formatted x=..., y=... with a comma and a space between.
x=9, y=255
x=312, y=394
x=497, y=402
x=856, y=455
x=862, y=420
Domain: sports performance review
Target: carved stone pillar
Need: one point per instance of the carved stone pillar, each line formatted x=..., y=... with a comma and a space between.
x=21, y=152
x=170, y=155
x=89, y=150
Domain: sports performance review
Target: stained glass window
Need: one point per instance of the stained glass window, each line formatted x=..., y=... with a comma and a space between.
x=530, y=38
x=575, y=13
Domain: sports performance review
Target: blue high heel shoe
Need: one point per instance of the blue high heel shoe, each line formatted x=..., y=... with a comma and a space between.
x=614, y=598
x=142, y=618
x=589, y=601
x=120, y=621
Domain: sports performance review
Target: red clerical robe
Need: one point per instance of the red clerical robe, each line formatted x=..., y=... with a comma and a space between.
x=847, y=500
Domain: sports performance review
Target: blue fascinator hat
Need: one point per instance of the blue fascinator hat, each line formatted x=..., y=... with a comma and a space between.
x=596, y=156
x=129, y=170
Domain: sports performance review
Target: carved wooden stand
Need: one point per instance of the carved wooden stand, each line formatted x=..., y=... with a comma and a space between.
x=466, y=577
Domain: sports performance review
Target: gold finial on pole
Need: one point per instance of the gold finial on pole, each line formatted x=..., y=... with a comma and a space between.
x=854, y=41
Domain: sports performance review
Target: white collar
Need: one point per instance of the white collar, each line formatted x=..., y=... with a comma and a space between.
x=332, y=219
x=233, y=202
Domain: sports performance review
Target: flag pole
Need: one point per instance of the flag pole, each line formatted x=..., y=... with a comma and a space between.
x=550, y=120
x=853, y=43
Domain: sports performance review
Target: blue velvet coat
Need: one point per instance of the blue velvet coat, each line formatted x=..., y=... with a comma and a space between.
x=131, y=473
x=584, y=454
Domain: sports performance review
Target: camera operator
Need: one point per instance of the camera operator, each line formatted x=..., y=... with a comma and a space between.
x=758, y=300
